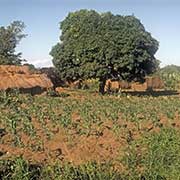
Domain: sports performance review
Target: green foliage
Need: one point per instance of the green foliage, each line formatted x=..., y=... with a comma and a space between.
x=171, y=76
x=89, y=171
x=54, y=93
x=10, y=36
x=63, y=94
x=92, y=110
x=104, y=46
x=92, y=84
x=160, y=158
x=154, y=156
x=19, y=169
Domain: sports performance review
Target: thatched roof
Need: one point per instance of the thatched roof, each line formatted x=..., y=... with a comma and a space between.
x=22, y=78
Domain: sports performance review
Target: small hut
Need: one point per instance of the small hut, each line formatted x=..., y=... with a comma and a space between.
x=21, y=78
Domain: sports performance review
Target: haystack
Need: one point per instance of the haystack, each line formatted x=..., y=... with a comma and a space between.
x=20, y=77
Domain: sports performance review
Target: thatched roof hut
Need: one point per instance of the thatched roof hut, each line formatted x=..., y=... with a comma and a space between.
x=20, y=77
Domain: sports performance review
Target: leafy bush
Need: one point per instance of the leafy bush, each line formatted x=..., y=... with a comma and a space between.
x=171, y=77
x=63, y=94
x=53, y=93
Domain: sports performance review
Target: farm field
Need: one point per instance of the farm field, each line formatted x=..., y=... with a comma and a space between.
x=82, y=135
x=89, y=90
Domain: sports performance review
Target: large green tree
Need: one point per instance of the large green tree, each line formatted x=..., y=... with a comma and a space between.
x=103, y=46
x=10, y=36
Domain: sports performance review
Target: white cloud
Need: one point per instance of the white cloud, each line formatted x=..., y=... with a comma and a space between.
x=41, y=63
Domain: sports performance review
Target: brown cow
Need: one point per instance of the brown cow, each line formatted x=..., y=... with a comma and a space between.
x=154, y=83
x=116, y=86
x=151, y=83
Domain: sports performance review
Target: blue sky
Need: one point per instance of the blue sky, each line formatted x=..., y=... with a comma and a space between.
x=42, y=17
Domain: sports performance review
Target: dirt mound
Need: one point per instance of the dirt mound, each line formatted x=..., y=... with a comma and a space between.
x=21, y=77
x=63, y=146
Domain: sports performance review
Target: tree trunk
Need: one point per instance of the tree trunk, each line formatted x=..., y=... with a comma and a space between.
x=102, y=82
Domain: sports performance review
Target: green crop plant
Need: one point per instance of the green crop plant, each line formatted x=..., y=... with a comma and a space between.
x=152, y=156
x=160, y=158
x=18, y=169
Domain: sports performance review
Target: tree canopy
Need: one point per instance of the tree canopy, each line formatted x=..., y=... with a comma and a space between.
x=94, y=45
x=10, y=36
